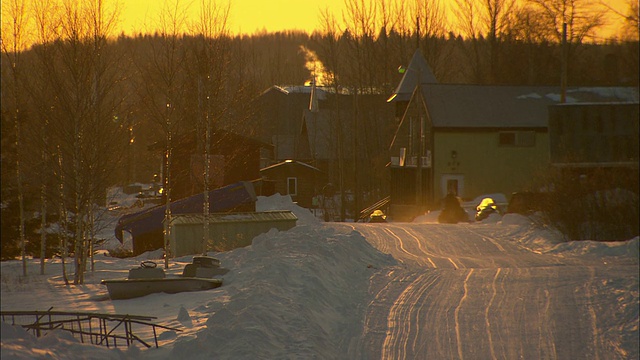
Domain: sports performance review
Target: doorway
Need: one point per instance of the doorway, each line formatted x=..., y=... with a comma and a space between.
x=452, y=184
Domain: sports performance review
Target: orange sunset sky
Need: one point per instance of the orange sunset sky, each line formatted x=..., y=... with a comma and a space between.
x=249, y=16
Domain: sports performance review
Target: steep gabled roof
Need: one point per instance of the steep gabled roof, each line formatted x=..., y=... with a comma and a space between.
x=290, y=163
x=315, y=135
x=418, y=68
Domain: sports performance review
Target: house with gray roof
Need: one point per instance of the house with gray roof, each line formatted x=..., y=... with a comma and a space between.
x=343, y=134
x=472, y=140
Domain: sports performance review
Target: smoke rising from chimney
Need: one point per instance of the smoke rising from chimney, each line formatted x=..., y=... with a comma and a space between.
x=315, y=66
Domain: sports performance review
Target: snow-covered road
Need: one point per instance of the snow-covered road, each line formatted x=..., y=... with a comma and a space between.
x=505, y=290
x=472, y=291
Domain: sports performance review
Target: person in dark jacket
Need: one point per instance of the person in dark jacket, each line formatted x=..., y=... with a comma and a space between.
x=452, y=212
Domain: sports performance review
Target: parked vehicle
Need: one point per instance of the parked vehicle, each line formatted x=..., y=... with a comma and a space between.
x=148, y=278
x=486, y=207
x=377, y=217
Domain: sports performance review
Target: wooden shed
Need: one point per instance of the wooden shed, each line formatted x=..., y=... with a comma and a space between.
x=226, y=231
x=299, y=180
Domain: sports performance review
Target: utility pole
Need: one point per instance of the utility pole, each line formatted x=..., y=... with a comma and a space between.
x=563, y=73
x=420, y=151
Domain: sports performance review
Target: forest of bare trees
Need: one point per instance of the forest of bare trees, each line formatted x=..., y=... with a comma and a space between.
x=83, y=103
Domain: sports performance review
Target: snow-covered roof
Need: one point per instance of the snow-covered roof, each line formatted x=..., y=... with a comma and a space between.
x=298, y=89
x=197, y=219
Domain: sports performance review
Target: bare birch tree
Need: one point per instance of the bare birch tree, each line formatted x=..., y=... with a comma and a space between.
x=497, y=17
x=432, y=26
x=333, y=53
x=14, y=24
x=163, y=84
x=467, y=13
x=106, y=128
x=211, y=30
x=582, y=17
x=631, y=27
x=43, y=10
x=80, y=111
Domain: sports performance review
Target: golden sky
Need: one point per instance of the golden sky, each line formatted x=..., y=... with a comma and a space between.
x=249, y=16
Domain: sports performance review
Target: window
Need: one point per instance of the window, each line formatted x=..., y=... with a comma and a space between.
x=526, y=138
x=517, y=138
x=507, y=138
x=292, y=186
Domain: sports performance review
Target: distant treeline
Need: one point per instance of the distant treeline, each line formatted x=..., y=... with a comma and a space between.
x=79, y=111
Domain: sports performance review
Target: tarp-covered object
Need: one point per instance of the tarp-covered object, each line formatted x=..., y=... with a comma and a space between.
x=235, y=197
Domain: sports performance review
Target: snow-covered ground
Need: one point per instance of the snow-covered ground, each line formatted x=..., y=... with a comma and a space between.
x=337, y=290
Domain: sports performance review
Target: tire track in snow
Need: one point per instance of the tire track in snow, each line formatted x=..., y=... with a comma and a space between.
x=487, y=238
x=399, y=319
x=428, y=253
x=422, y=248
x=457, y=313
x=546, y=341
x=400, y=245
x=486, y=313
x=418, y=314
x=592, y=312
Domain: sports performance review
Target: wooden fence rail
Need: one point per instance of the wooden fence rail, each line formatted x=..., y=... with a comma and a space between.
x=97, y=328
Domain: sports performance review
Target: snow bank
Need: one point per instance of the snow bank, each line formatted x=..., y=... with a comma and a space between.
x=627, y=248
x=290, y=288
x=540, y=238
x=284, y=202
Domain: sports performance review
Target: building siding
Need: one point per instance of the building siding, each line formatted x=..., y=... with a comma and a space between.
x=485, y=166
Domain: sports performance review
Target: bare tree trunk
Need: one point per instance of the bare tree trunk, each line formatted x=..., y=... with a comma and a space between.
x=92, y=234
x=333, y=55
x=63, y=218
x=12, y=47
x=23, y=240
x=78, y=206
x=467, y=13
x=43, y=215
x=167, y=189
x=83, y=116
x=212, y=29
x=43, y=13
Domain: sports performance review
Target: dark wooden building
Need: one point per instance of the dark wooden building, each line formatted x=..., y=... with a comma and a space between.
x=594, y=134
x=299, y=180
x=232, y=158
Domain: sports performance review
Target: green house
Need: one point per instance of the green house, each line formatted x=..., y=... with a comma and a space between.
x=471, y=139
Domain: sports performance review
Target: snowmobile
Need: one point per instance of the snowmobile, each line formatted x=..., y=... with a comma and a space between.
x=452, y=212
x=486, y=207
x=377, y=217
